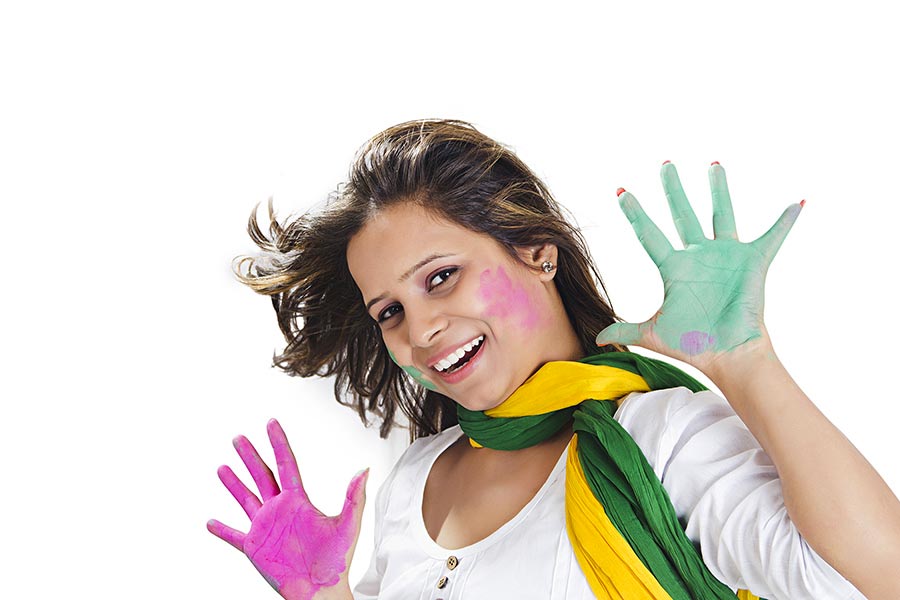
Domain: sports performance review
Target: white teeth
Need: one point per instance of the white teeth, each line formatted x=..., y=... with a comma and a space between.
x=454, y=357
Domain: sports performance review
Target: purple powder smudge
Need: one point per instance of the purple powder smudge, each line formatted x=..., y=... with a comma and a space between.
x=696, y=342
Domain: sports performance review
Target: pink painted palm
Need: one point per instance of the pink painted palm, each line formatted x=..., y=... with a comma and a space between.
x=301, y=552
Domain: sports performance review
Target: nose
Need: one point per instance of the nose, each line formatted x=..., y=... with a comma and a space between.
x=425, y=323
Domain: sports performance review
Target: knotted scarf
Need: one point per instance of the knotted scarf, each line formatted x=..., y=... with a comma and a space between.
x=619, y=518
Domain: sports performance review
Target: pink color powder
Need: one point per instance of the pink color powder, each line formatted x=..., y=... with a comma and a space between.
x=507, y=300
x=296, y=548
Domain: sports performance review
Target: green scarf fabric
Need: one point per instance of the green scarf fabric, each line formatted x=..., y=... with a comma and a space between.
x=618, y=474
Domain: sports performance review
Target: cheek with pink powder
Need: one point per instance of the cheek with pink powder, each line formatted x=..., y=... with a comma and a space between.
x=508, y=300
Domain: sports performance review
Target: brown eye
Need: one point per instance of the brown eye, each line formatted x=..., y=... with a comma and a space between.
x=440, y=277
x=389, y=312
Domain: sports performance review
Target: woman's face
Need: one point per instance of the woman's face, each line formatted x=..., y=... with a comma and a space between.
x=456, y=311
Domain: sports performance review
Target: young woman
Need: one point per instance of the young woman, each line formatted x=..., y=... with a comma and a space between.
x=444, y=281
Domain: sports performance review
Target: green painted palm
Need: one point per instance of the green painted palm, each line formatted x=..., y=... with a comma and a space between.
x=714, y=289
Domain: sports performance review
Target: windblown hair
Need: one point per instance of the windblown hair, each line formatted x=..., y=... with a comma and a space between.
x=450, y=168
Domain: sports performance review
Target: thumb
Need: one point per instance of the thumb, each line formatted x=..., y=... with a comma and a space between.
x=771, y=241
x=355, y=500
x=621, y=333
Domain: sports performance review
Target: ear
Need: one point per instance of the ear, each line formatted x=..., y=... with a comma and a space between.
x=535, y=256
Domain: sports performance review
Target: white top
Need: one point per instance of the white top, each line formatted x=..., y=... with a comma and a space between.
x=720, y=481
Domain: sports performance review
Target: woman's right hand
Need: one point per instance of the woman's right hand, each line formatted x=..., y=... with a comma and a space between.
x=302, y=553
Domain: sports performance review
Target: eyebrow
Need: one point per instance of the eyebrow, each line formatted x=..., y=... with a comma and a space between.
x=407, y=275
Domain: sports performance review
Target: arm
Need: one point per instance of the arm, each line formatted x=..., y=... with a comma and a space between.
x=726, y=491
x=712, y=317
x=836, y=499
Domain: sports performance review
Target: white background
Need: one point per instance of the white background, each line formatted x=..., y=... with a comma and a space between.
x=135, y=139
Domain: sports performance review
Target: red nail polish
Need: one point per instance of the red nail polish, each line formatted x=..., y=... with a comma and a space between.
x=620, y=191
x=666, y=162
x=715, y=162
x=802, y=203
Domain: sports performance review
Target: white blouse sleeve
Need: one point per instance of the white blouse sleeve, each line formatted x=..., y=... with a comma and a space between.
x=726, y=489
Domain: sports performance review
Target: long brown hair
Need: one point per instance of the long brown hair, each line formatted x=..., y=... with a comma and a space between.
x=452, y=169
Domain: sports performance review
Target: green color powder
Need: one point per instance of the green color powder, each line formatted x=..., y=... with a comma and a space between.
x=414, y=373
x=714, y=288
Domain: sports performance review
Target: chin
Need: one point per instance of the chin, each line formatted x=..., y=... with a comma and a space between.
x=483, y=403
x=479, y=407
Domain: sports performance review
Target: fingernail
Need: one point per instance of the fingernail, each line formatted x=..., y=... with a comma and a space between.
x=802, y=203
x=715, y=162
x=620, y=191
x=666, y=162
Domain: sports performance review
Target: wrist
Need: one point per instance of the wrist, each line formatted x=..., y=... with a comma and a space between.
x=759, y=388
x=340, y=591
x=742, y=363
x=307, y=590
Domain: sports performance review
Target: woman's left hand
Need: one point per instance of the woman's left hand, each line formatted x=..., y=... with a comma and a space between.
x=714, y=289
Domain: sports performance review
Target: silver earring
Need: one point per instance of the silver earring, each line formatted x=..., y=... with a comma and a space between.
x=547, y=266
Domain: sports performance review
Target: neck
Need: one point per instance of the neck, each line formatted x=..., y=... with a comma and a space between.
x=553, y=445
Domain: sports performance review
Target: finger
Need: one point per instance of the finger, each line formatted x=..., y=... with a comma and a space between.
x=622, y=333
x=248, y=501
x=769, y=243
x=723, y=213
x=651, y=238
x=259, y=470
x=288, y=473
x=224, y=532
x=685, y=220
x=355, y=500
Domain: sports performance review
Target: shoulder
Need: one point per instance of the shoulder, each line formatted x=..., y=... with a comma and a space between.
x=412, y=467
x=726, y=490
x=670, y=406
x=663, y=422
x=428, y=448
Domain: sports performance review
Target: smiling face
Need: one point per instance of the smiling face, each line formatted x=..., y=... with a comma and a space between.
x=455, y=309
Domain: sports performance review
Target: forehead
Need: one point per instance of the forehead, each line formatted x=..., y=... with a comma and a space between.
x=400, y=236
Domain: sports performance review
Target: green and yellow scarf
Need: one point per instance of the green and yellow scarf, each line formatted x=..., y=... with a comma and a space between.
x=620, y=520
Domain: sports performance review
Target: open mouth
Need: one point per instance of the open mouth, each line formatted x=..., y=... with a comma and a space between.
x=451, y=365
x=465, y=358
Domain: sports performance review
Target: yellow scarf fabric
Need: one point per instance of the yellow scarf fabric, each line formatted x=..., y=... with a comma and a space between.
x=611, y=567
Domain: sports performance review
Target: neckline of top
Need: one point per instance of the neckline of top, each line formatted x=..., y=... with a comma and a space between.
x=421, y=534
